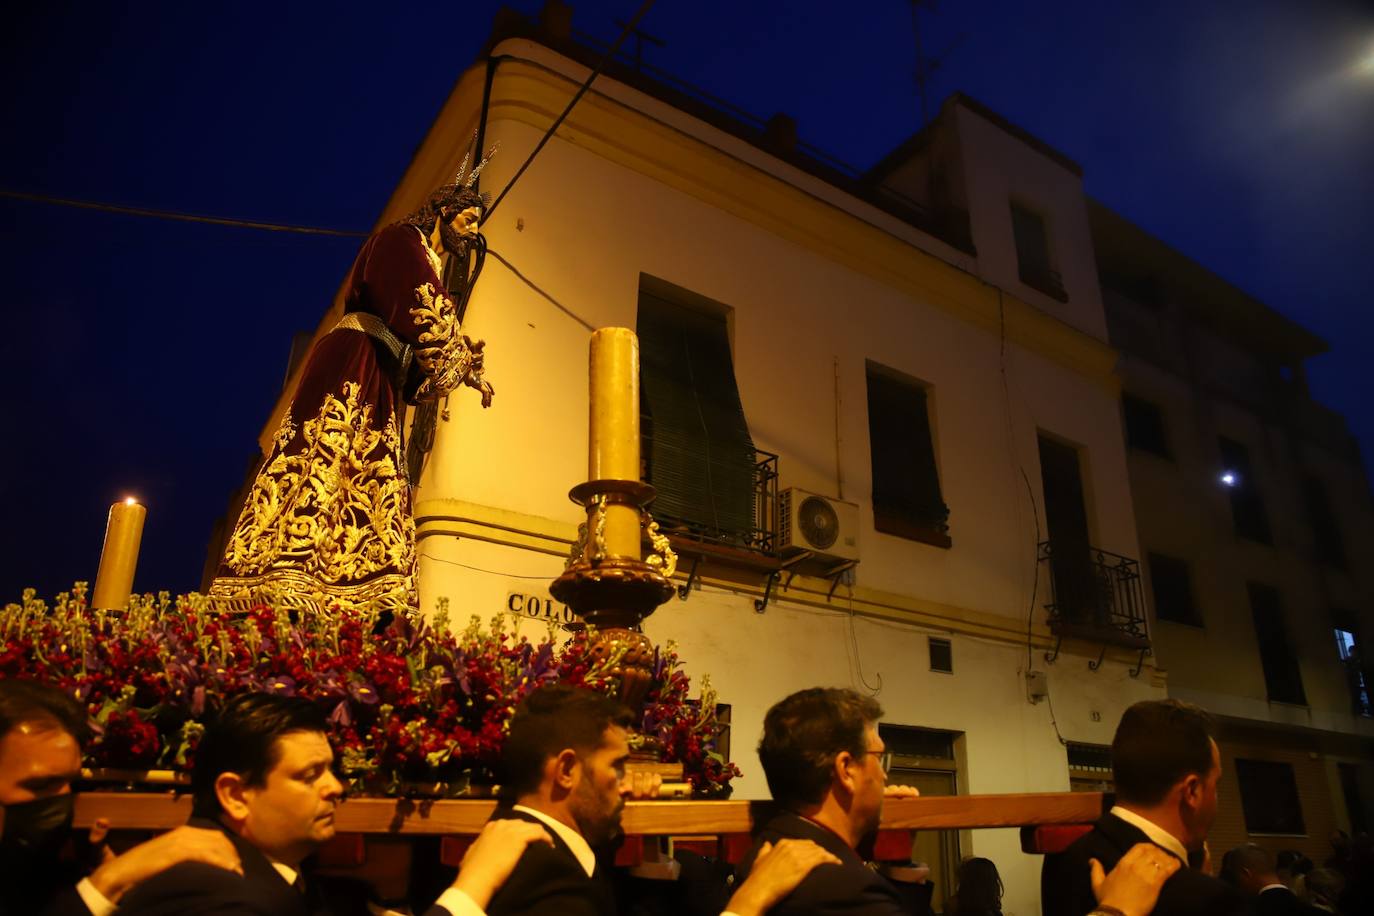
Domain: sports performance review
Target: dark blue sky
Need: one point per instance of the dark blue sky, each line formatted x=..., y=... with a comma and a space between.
x=142, y=356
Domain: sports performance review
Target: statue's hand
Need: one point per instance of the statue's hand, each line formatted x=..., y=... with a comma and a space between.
x=473, y=378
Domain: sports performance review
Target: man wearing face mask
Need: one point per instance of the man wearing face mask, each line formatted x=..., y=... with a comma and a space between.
x=41, y=730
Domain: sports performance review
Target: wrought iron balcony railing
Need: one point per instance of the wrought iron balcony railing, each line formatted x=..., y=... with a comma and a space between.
x=1095, y=595
x=732, y=505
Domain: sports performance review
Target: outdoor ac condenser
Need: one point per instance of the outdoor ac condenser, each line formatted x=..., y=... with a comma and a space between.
x=823, y=525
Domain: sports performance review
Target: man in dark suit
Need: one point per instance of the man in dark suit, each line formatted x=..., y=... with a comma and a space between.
x=1251, y=870
x=1166, y=767
x=826, y=769
x=564, y=764
x=263, y=779
x=41, y=732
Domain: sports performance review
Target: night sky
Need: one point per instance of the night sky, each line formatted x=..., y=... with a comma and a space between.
x=142, y=356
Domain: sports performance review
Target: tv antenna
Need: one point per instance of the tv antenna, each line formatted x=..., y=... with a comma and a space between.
x=926, y=65
x=640, y=37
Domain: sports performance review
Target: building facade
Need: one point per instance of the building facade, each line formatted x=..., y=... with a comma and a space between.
x=897, y=356
x=883, y=415
x=1256, y=525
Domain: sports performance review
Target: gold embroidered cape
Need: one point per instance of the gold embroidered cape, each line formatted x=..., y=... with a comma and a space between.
x=328, y=519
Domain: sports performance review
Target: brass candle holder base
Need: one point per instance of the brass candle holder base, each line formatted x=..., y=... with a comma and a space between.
x=614, y=593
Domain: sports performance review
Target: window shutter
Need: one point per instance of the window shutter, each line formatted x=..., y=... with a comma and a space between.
x=698, y=453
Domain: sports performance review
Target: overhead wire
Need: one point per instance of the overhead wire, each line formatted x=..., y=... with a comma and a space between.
x=153, y=213
x=582, y=90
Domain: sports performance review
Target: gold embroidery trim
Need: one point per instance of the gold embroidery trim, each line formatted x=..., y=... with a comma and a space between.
x=335, y=510
x=442, y=353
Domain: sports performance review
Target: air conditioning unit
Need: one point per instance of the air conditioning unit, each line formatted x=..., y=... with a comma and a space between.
x=824, y=526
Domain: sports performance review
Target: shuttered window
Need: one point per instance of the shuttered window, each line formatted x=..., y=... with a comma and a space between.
x=1173, y=590
x=1282, y=677
x=906, y=482
x=697, y=450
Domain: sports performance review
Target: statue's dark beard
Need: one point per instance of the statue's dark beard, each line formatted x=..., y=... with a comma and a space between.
x=455, y=243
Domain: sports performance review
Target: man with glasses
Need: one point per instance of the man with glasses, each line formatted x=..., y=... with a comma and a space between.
x=827, y=770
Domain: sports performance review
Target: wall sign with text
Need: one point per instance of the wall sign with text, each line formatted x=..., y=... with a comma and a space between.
x=539, y=607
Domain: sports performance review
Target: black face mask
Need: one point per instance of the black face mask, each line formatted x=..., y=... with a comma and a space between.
x=37, y=828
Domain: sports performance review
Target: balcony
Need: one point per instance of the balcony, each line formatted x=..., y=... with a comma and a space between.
x=721, y=510
x=1095, y=595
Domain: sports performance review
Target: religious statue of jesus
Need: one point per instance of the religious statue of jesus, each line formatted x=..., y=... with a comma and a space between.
x=328, y=518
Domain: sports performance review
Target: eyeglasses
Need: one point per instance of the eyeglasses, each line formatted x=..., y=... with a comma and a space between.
x=884, y=758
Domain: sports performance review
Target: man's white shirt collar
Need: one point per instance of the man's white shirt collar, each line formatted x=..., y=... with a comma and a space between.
x=288, y=874
x=1157, y=834
x=583, y=852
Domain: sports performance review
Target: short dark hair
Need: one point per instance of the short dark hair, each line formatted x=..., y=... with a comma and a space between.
x=805, y=732
x=30, y=702
x=242, y=739
x=1158, y=743
x=551, y=719
x=1248, y=857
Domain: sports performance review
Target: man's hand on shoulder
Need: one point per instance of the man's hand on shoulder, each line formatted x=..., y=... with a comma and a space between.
x=1132, y=887
x=492, y=857
x=776, y=873
x=121, y=872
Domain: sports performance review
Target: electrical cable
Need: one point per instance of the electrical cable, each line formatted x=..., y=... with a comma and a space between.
x=1025, y=478
x=532, y=285
x=182, y=217
x=548, y=135
x=492, y=572
x=270, y=227
x=854, y=641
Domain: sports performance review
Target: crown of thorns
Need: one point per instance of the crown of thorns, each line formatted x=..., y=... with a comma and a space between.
x=457, y=194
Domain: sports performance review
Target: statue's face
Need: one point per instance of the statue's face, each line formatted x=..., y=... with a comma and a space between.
x=465, y=222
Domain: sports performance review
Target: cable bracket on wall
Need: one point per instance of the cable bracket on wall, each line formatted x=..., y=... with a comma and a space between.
x=761, y=604
x=835, y=574
x=1140, y=662
x=685, y=588
x=1054, y=653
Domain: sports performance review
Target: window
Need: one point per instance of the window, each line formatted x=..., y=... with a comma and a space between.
x=906, y=483
x=1351, y=660
x=1282, y=678
x=1173, y=588
x=1269, y=798
x=1247, y=503
x=696, y=446
x=1144, y=426
x=941, y=655
x=1326, y=533
x=1033, y=253
x=1090, y=767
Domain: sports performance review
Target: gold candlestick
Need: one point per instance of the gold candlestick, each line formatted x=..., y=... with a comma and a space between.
x=613, y=433
x=606, y=582
x=119, y=556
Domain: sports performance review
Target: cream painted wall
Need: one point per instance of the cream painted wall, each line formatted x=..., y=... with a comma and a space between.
x=1000, y=168
x=794, y=315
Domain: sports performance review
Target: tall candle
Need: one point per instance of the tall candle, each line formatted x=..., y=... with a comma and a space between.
x=613, y=452
x=119, y=556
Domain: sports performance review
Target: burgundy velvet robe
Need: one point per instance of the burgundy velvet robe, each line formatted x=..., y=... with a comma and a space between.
x=328, y=519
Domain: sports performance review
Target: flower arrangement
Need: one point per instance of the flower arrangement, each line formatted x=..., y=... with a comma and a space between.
x=408, y=701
